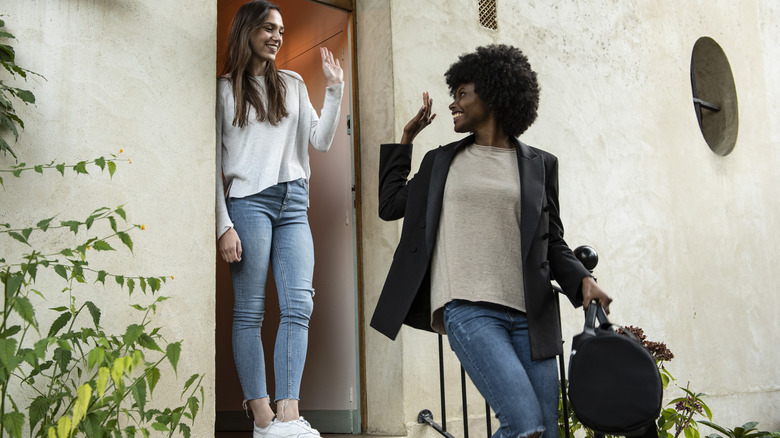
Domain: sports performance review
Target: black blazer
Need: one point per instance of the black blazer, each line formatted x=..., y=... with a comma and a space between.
x=405, y=297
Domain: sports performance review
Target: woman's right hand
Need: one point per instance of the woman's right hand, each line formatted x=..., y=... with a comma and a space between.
x=422, y=119
x=230, y=246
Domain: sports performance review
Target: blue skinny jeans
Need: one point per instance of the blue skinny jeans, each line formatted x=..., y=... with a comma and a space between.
x=274, y=229
x=492, y=344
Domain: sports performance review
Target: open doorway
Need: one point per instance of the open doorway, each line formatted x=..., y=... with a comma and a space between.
x=330, y=393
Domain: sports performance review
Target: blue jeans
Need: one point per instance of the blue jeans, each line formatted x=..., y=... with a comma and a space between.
x=273, y=227
x=492, y=344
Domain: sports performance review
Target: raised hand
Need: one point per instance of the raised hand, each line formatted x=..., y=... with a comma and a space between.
x=331, y=68
x=422, y=119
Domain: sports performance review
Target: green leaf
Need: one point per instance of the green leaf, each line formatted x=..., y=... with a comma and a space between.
x=26, y=96
x=112, y=221
x=139, y=394
x=148, y=342
x=13, y=423
x=95, y=357
x=194, y=404
x=73, y=225
x=92, y=424
x=81, y=167
x=61, y=270
x=60, y=168
x=101, y=277
x=39, y=169
x=13, y=283
x=707, y=410
x=130, y=285
x=111, y=168
x=132, y=333
x=120, y=280
x=125, y=238
x=44, y=224
x=173, y=351
x=32, y=270
x=102, y=245
x=190, y=381
x=18, y=237
x=39, y=408
x=24, y=308
x=154, y=283
x=152, y=377
x=58, y=324
x=63, y=357
x=8, y=356
x=143, y=284
x=100, y=162
x=121, y=212
x=94, y=311
x=10, y=331
x=67, y=252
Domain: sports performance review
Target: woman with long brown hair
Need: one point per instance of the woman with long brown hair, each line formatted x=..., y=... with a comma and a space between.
x=265, y=124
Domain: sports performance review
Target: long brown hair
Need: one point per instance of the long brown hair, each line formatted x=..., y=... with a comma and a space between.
x=239, y=58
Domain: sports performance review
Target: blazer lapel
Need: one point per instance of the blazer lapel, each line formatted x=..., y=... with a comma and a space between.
x=531, y=167
x=441, y=167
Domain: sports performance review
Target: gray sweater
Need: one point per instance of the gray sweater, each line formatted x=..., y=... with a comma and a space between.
x=261, y=155
x=478, y=255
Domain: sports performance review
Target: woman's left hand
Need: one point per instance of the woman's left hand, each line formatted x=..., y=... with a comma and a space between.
x=592, y=291
x=331, y=67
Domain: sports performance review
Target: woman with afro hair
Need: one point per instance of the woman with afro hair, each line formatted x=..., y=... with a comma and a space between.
x=481, y=240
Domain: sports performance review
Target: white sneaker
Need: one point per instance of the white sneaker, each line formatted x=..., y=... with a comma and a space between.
x=299, y=428
x=261, y=432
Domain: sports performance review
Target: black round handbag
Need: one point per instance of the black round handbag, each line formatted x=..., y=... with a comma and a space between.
x=615, y=387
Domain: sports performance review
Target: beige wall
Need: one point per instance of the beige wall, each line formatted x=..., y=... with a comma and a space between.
x=136, y=75
x=686, y=237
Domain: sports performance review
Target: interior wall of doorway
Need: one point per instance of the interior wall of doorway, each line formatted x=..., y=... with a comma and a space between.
x=330, y=387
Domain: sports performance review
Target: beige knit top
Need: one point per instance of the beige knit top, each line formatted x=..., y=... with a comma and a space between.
x=478, y=256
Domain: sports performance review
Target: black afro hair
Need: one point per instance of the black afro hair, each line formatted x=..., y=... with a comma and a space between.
x=504, y=80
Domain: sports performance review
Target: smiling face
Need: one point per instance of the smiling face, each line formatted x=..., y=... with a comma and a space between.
x=469, y=111
x=266, y=40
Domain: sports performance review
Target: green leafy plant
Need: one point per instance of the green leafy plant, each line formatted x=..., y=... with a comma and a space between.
x=9, y=120
x=76, y=377
x=680, y=418
x=747, y=430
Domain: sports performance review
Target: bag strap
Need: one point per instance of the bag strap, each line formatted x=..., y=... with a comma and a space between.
x=595, y=311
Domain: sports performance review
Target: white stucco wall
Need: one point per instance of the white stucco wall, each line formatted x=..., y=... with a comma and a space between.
x=136, y=75
x=686, y=237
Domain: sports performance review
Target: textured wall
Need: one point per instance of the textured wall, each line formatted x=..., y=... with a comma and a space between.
x=136, y=75
x=686, y=237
